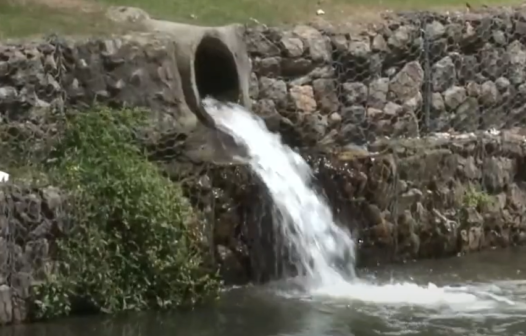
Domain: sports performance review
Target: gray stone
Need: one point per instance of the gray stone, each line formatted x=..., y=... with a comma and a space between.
x=489, y=93
x=378, y=89
x=492, y=62
x=467, y=116
x=258, y=44
x=444, y=74
x=6, y=305
x=435, y=30
x=499, y=37
x=502, y=84
x=269, y=66
x=354, y=114
x=497, y=173
x=352, y=133
x=322, y=72
x=360, y=48
x=401, y=37
x=376, y=114
x=390, y=72
x=340, y=43
x=454, y=32
x=454, y=96
x=319, y=47
x=392, y=110
x=316, y=125
x=517, y=58
x=292, y=46
x=355, y=93
x=8, y=93
x=437, y=102
x=293, y=67
x=335, y=118
x=325, y=94
x=407, y=83
x=468, y=68
x=266, y=109
x=414, y=103
x=4, y=68
x=274, y=89
x=379, y=44
x=473, y=89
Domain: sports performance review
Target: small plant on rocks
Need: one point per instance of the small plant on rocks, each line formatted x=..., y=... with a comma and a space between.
x=133, y=242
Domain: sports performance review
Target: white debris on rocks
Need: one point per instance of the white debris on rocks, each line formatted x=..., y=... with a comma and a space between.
x=4, y=177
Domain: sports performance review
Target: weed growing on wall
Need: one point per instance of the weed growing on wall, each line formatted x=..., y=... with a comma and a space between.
x=131, y=244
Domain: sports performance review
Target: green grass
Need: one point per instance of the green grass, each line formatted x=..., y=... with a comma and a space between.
x=31, y=19
x=24, y=21
x=278, y=11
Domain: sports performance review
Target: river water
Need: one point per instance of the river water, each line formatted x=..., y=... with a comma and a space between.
x=261, y=311
x=482, y=294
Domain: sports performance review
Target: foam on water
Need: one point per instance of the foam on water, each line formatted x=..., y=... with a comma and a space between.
x=307, y=222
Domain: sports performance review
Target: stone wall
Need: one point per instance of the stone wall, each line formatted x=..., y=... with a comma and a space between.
x=30, y=220
x=422, y=77
x=402, y=199
x=409, y=75
x=360, y=103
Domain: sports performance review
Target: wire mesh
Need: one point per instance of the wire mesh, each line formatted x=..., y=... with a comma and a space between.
x=419, y=119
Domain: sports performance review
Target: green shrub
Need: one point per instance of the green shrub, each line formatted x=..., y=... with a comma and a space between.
x=133, y=243
x=475, y=198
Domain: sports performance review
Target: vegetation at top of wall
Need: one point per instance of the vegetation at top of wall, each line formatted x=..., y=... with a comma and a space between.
x=133, y=242
x=33, y=17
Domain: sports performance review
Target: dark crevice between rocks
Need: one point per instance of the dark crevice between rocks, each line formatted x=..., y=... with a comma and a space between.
x=215, y=71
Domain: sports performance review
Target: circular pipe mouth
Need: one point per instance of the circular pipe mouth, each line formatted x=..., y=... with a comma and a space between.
x=215, y=71
x=215, y=76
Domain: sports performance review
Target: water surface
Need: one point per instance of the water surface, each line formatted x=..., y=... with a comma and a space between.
x=260, y=311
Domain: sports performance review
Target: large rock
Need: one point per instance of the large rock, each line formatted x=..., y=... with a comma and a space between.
x=408, y=82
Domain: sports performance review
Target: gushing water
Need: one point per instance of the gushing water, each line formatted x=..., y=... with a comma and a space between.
x=326, y=250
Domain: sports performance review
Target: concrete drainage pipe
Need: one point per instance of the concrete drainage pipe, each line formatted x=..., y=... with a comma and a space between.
x=212, y=61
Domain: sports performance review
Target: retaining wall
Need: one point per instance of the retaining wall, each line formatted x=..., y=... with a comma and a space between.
x=361, y=104
x=406, y=76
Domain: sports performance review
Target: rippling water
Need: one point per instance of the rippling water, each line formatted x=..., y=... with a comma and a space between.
x=261, y=311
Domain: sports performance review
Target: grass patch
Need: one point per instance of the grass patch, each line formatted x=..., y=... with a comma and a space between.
x=18, y=21
x=134, y=241
x=45, y=16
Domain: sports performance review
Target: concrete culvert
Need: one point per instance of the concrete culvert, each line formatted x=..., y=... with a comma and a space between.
x=216, y=71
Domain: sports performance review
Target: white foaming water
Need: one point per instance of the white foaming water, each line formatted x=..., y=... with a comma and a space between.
x=307, y=222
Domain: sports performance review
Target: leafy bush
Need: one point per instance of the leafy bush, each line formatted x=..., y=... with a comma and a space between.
x=133, y=242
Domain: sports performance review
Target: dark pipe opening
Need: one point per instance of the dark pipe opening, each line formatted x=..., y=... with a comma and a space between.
x=215, y=71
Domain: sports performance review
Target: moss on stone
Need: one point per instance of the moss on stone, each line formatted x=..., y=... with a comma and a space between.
x=476, y=198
